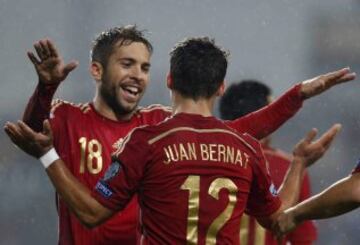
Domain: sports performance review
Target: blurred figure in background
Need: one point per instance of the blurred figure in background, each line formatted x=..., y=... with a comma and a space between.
x=239, y=100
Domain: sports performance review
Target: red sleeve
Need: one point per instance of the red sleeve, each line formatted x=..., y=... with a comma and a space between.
x=305, y=233
x=263, y=122
x=38, y=107
x=124, y=175
x=263, y=199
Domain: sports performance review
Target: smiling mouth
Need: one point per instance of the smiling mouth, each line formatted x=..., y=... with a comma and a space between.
x=131, y=93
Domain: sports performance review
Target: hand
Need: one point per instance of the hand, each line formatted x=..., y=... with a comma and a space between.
x=31, y=142
x=284, y=223
x=319, y=84
x=50, y=66
x=309, y=151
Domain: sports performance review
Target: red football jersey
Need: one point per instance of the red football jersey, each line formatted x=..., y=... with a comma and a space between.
x=251, y=233
x=84, y=139
x=194, y=177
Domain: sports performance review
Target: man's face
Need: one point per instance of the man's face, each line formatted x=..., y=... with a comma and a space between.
x=125, y=77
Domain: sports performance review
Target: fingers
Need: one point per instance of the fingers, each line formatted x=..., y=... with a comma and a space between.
x=327, y=138
x=47, y=128
x=26, y=130
x=44, y=49
x=52, y=48
x=71, y=66
x=12, y=130
x=311, y=135
x=33, y=58
x=339, y=76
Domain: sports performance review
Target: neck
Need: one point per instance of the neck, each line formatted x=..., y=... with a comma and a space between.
x=201, y=107
x=104, y=109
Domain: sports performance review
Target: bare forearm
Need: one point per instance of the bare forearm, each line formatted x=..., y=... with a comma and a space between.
x=290, y=189
x=338, y=199
x=76, y=195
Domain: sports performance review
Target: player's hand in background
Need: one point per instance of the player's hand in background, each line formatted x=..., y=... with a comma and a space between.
x=309, y=151
x=319, y=84
x=31, y=142
x=48, y=64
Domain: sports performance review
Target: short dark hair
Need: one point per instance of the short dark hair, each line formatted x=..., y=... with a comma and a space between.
x=197, y=67
x=242, y=98
x=104, y=43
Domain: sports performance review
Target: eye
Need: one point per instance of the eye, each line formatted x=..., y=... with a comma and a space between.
x=146, y=69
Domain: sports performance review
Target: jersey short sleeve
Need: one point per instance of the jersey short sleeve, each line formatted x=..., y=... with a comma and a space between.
x=263, y=199
x=121, y=180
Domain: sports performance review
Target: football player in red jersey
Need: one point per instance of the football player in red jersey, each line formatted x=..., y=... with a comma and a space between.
x=194, y=175
x=85, y=134
x=240, y=99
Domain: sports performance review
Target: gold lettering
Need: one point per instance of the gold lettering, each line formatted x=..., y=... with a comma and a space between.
x=168, y=159
x=246, y=160
x=221, y=153
x=212, y=152
x=174, y=157
x=204, y=152
x=183, y=154
x=229, y=154
x=192, y=151
x=238, y=158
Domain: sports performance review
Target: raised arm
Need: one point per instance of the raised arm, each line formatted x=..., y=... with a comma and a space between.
x=88, y=210
x=306, y=152
x=263, y=122
x=51, y=71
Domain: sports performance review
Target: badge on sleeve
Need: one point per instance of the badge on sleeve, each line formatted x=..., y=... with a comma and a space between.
x=112, y=171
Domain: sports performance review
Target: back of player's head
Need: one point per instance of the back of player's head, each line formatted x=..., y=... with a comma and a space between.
x=104, y=43
x=197, y=67
x=242, y=98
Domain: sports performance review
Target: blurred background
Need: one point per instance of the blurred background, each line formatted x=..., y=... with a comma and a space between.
x=280, y=42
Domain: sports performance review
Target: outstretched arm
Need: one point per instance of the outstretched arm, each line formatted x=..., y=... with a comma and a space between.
x=263, y=122
x=51, y=71
x=89, y=211
x=306, y=152
x=340, y=198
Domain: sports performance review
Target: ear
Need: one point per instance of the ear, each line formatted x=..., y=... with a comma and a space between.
x=96, y=70
x=221, y=89
x=169, y=81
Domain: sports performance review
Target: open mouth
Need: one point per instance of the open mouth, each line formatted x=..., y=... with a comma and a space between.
x=131, y=93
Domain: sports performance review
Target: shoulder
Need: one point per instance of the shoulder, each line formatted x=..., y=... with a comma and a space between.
x=156, y=112
x=61, y=107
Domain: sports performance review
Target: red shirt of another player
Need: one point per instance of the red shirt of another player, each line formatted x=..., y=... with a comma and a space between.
x=194, y=177
x=251, y=233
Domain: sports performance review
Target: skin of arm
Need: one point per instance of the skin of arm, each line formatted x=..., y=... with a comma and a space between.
x=306, y=152
x=88, y=210
x=341, y=197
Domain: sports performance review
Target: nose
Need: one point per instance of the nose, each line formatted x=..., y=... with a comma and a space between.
x=137, y=73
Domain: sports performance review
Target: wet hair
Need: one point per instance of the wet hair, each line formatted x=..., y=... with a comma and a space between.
x=197, y=67
x=242, y=98
x=104, y=43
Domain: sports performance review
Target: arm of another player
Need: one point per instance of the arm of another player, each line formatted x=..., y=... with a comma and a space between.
x=263, y=122
x=340, y=198
x=306, y=152
x=51, y=71
x=89, y=211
